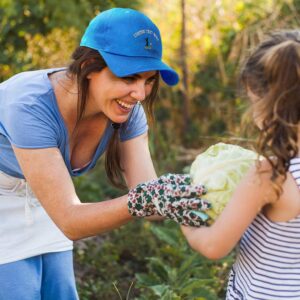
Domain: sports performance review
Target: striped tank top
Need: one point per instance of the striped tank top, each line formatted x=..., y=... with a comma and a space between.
x=268, y=262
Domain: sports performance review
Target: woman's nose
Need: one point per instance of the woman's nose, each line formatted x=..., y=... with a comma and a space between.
x=139, y=91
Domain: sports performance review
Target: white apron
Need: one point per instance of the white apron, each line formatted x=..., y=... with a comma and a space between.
x=25, y=228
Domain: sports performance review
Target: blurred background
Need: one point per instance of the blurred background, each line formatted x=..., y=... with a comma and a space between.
x=206, y=42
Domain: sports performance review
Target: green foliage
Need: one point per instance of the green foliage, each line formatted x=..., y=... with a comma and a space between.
x=160, y=143
x=146, y=261
x=22, y=20
x=179, y=273
x=95, y=186
x=52, y=50
x=113, y=259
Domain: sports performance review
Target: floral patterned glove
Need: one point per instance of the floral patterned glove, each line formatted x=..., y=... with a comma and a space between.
x=171, y=196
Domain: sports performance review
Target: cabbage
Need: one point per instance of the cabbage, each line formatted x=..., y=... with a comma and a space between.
x=220, y=168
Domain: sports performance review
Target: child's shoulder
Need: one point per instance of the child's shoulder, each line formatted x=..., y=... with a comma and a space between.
x=259, y=176
x=287, y=206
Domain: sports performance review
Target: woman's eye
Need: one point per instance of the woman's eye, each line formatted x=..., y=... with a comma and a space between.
x=150, y=80
x=128, y=79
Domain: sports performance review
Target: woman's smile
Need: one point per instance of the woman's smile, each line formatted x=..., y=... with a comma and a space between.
x=125, y=106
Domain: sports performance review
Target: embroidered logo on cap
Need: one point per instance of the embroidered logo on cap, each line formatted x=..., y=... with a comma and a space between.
x=148, y=44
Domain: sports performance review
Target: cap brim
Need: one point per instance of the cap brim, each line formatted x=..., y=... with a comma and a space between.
x=127, y=65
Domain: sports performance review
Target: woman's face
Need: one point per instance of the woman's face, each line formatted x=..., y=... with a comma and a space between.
x=114, y=96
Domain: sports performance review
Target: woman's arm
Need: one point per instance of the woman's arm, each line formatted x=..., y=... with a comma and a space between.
x=138, y=165
x=136, y=161
x=46, y=173
x=216, y=241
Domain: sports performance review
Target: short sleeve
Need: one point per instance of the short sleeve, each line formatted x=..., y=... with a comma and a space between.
x=29, y=126
x=136, y=124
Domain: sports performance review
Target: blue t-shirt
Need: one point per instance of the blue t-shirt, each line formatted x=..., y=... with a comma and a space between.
x=30, y=118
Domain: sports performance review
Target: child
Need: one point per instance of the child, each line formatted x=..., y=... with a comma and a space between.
x=264, y=212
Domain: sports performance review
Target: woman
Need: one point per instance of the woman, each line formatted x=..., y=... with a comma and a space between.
x=55, y=124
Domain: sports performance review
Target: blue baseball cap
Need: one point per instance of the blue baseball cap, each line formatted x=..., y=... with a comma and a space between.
x=129, y=42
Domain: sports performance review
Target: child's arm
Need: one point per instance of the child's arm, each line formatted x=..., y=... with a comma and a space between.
x=253, y=192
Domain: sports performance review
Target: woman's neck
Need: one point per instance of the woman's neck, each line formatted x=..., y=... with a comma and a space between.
x=66, y=93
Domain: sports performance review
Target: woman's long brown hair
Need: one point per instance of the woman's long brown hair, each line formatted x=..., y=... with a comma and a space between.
x=272, y=73
x=86, y=61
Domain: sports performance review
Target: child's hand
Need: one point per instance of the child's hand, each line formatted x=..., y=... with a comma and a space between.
x=171, y=196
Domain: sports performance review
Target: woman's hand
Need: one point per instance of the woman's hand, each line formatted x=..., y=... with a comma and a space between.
x=171, y=196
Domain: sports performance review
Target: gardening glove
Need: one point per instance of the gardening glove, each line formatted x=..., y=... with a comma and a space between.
x=171, y=196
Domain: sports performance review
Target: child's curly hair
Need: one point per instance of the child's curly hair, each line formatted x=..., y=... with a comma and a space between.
x=272, y=73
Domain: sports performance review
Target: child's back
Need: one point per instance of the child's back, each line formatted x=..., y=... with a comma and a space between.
x=268, y=262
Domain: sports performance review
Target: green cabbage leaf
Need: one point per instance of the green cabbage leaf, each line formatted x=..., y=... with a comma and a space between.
x=220, y=168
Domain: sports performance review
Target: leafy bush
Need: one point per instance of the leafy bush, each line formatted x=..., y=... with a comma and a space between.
x=108, y=263
x=146, y=261
x=178, y=272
